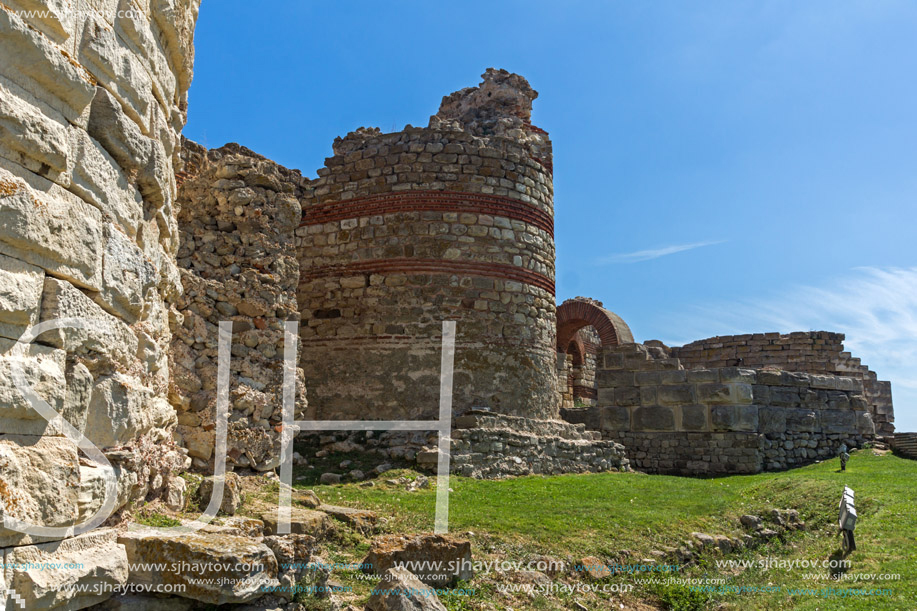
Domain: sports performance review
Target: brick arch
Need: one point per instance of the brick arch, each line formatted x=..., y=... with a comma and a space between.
x=574, y=315
x=576, y=349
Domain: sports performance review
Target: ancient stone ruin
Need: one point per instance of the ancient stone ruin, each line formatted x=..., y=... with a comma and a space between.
x=107, y=214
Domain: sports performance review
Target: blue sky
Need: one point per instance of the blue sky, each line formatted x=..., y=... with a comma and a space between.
x=720, y=167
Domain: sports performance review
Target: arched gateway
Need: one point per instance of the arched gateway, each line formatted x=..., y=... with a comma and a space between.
x=583, y=326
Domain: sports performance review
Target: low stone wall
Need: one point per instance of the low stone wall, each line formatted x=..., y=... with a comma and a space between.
x=489, y=446
x=817, y=352
x=722, y=420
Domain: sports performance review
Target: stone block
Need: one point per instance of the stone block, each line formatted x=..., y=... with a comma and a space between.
x=864, y=423
x=605, y=396
x=127, y=276
x=32, y=134
x=653, y=418
x=97, y=179
x=694, y=417
x=107, y=336
x=77, y=573
x=627, y=396
x=648, y=378
x=40, y=67
x=446, y=558
x=679, y=376
x=50, y=228
x=615, y=418
x=849, y=384
x=648, y=395
x=734, y=417
x=714, y=394
x=605, y=378
x=129, y=147
x=20, y=296
x=824, y=382
x=401, y=589
x=801, y=420
x=678, y=394
x=118, y=70
x=695, y=376
x=772, y=420
x=39, y=484
x=121, y=409
x=176, y=19
x=233, y=569
x=738, y=375
x=837, y=421
x=44, y=370
x=53, y=18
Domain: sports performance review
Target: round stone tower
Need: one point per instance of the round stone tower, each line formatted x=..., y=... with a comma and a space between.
x=402, y=231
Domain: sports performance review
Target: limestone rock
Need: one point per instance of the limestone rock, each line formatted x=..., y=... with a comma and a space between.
x=401, y=590
x=107, y=336
x=98, y=179
x=50, y=228
x=448, y=558
x=360, y=519
x=38, y=66
x=44, y=369
x=302, y=522
x=241, y=565
x=121, y=409
x=91, y=560
x=39, y=483
x=20, y=296
x=232, y=493
x=32, y=134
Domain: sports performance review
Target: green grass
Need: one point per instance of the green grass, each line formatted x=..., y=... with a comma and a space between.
x=611, y=514
x=158, y=520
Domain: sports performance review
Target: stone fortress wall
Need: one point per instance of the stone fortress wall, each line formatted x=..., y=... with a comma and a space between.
x=93, y=97
x=721, y=420
x=401, y=231
x=816, y=352
x=238, y=262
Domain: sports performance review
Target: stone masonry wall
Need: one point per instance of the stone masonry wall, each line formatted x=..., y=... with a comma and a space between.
x=449, y=222
x=818, y=352
x=489, y=446
x=721, y=420
x=92, y=99
x=238, y=213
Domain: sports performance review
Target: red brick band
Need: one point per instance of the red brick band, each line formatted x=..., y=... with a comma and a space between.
x=432, y=266
x=429, y=201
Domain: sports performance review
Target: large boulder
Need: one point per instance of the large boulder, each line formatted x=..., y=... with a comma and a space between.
x=211, y=568
x=401, y=590
x=232, y=493
x=438, y=560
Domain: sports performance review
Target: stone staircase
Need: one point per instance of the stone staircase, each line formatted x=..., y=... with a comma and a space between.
x=905, y=444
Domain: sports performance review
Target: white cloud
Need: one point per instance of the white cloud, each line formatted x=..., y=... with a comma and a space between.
x=875, y=307
x=654, y=253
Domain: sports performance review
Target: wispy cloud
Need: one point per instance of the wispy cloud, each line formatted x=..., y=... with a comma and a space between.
x=875, y=307
x=654, y=253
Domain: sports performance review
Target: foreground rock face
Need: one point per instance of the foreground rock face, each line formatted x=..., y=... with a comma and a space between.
x=213, y=568
x=437, y=560
x=91, y=105
x=401, y=590
x=237, y=263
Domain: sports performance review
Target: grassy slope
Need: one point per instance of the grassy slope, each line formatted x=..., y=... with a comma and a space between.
x=576, y=515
